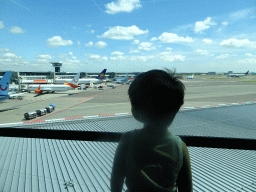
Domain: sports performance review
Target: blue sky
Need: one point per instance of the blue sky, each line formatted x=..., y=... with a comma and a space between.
x=128, y=35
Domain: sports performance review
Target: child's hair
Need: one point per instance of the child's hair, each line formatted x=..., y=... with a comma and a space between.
x=157, y=94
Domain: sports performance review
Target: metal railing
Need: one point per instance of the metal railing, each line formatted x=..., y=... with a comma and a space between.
x=193, y=141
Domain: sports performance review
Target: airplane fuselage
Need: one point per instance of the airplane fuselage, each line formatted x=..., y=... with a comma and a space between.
x=80, y=81
x=50, y=87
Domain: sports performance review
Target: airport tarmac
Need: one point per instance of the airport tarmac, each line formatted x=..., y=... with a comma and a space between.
x=200, y=91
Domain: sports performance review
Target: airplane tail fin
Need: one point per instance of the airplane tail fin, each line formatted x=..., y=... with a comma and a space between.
x=38, y=90
x=247, y=73
x=13, y=90
x=101, y=76
x=5, y=82
x=126, y=78
x=74, y=82
x=75, y=79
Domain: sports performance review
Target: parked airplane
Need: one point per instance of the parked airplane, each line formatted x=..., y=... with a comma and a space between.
x=112, y=85
x=96, y=80
x=52, y=88
x=15, y=95
x=190, y=77
x=122, y=80
x=237, y=75
x=4, y=85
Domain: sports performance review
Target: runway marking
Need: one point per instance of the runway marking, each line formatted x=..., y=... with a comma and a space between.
x=74, y=108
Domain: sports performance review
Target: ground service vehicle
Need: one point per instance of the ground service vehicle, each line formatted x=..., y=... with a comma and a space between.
x=20, y=97
x=49, y=109
x=53, y=105
x=30, y=115
x=41, y=112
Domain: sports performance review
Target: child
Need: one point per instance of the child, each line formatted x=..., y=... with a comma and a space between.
x=152, y=159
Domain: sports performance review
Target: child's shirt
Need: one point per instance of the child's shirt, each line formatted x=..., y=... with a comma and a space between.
x=152, y=162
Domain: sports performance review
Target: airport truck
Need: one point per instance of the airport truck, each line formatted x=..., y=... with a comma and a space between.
x=49, y=109
x=41, y=112
x=53, y=105
x=30, y=115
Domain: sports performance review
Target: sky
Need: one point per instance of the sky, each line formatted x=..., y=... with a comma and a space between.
x=128, y=35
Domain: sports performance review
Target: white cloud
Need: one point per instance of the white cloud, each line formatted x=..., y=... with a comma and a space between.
x=74, y=57
x=136, y=41
x=90, y=44
x=104, y=58
x=100, y=45
x=140, y=58
x=122, y=6
x=202, y=25
x=168, y=56
x=225, y=23
x=241, y=14
x=248, y=61
x=153, y=39
x=249, y=55
x=146, y=46
x=57, y=41
x=126, y=33
x=203, y=52
x=168, y=48
x=207, y=41
x=238, y=43
x=92, y=31
x=117, y=53
x=134, y=50
x=91, y=56
x=45, y=57
x=4, y=50
x=78, y=43
x=1, y=25
x=175, y=58
x=223, y=56
x=16, y=30
x=11, y=56
x=173, y=38
x=88, y=25
x=117, y=58
x=70, y=53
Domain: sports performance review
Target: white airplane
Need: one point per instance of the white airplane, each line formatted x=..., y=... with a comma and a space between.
x=4, y=85
x=190, y=77
x=112, y=85
x=96, y=80
x=122, y=80
x=15, y=95
x=237, y=75
x=52, y=88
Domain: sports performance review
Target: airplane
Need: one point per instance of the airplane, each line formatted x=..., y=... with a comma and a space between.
x=4, y=85
x=52, y=88
x=112, y=85
x=97, y=80
x=190, y=77
x=122, y=80
x=17, y=94
x=237, y=75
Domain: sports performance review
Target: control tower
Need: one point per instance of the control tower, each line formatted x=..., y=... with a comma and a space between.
x=57, y=66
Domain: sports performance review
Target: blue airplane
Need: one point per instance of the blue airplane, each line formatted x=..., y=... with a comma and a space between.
x=122, y=80
x=4, y=86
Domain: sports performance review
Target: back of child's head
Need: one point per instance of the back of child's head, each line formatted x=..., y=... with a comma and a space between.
x=157, y=94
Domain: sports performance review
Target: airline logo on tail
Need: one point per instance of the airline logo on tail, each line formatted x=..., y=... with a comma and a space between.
x=74, y=82
x=4, y=85
x=101, y=75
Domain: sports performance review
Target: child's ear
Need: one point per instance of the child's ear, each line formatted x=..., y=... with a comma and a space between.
x=137, y=115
